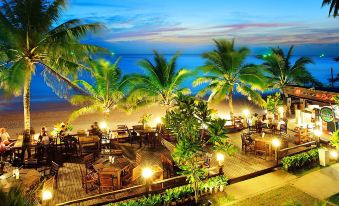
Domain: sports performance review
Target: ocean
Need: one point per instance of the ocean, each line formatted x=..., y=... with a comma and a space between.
x=41, y=93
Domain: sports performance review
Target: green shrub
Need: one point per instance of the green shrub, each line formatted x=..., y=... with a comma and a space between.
x=175, y=193
x=301, y=160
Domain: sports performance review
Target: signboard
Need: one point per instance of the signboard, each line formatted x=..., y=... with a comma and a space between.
x=326, y=114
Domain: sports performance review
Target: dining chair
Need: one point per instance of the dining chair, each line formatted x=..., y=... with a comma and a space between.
x=260, y=147
x=89, y=161
x=105, y=182
x=87, y=179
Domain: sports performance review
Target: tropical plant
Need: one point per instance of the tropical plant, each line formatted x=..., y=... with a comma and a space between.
x=335, y=139
x=29, y=40
x=280, y=71
x=273, y=102
x=301, y=160
x=334, y=7
x=185, y=121
x=14, y=197
x=226, y=72
x=161, y=82
x=105, y=94
x=145, y=119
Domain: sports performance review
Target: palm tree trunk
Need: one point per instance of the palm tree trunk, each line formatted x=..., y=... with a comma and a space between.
x=26, y=98
x=230, y=104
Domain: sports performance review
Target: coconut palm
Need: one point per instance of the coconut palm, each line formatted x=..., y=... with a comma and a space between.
x=29, y=40
x=161, y=82
x=280, y=71
x=334, y=7
x=105, y=94
x=225, y=73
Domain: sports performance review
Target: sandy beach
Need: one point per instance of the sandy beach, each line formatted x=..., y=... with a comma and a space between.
x=48, y=114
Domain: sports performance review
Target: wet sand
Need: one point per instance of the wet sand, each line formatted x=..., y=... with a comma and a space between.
x=49, y=114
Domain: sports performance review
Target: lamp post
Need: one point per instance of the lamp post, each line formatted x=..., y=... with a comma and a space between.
x=276, y=144
x=147, y=174
x=220, y=159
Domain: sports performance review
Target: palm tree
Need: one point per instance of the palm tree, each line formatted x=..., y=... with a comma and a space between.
x=280, y=71
x=29, y=40
x=225, y=73
x=334, y=7
x=105, y=94
x=161, y=82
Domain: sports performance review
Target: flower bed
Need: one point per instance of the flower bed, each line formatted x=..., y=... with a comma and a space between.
x=302, y=160
x=178, y=195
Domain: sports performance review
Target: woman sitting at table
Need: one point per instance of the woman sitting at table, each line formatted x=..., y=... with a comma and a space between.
x=26, y=145
x=4, y=136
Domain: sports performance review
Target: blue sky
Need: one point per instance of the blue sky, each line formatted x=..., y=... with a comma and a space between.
x=138, y=26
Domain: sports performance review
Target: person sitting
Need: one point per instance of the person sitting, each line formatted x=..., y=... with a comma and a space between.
x=26, y=145
x=43, y=136
x=63, y=131
x=4, y=136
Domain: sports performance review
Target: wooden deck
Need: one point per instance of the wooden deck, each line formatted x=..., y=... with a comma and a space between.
x=70, y=188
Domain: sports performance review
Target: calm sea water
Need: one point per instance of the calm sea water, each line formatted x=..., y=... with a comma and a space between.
x=42, y=93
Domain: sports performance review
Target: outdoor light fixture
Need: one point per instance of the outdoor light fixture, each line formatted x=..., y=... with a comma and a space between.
x=158, y=120
x=246, y=112
x=281, y=110
x=46, y=195
x=317, y=132
x=334, y=154
x=276, y=142
x=220, y=159
x=103, y=125
x=147, y=173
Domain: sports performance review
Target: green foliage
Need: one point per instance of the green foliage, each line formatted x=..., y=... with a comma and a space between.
x=280, y=72
x=161, y=82
x=301, y=160
x=225, y=70
x=334, y=7
x=273, y=102
x=30, y=36
x=14, y=197
x=335, y=139
x=176, y=193
x=105, y=94
x=190, y=120
x=145, y=119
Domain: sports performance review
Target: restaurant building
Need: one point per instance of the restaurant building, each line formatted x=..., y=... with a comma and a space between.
x=313, y=108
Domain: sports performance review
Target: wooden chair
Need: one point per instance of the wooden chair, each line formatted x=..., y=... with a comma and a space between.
x=138, y=158
x=246, y=145
x=260, y=147
x=123, y=133
x=87, y=179
x=127, y=174
x=89, y=161
x=105, y=182
x=54, y=172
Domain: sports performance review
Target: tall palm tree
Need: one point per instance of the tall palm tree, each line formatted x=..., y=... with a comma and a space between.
x=161, y=82
x=226, y=72
x=280, y=71
x=29, y=40
x=334, y=7
x=105, y=94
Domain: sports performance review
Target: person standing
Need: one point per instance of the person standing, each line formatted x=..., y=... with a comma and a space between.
x=26, y=145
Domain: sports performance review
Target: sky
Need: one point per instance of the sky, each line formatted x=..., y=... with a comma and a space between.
x=138, y=26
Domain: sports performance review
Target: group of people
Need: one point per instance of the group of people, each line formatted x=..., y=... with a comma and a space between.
x=264, y=122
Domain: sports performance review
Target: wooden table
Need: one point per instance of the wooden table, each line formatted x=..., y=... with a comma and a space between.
x=267, y=139
x=103, y=165
x=27, y=179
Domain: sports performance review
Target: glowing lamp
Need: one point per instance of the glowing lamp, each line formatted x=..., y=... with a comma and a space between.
x=103, y=125
x=334, y=154
x=147, y=173
x=246, y=112
x=158, y=120
x=317, y=132
x=46, y=195
x=276, y=142
x=281, y=110
x=220, y=158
